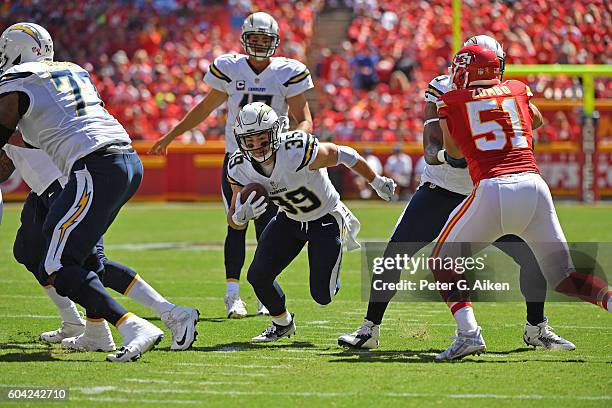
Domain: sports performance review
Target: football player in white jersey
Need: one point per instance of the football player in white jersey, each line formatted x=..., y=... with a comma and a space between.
x=292, y=167
x=58, y=110
x=241, y=79
x=445, y=183
x=46, y=181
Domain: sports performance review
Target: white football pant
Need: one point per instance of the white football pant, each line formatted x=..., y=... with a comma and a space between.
x=518, y=204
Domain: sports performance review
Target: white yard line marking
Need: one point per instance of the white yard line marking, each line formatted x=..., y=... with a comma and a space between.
x=258, y=366
x=198, y=373
x=175, y=382
x=355, y=394
x=142, y=402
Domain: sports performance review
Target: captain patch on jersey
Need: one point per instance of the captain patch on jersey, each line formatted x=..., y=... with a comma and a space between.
x=232, y=74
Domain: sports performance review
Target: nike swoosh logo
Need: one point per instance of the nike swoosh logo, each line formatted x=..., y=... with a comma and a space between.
x=182, y=341
x=326, y=224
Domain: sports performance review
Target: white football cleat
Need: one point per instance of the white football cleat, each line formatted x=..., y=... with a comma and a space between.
x=139, y=336
x=465, y=344
x=182, y=324
x=262, y=310
x=235, y=308
x=65, y=331
x=543, y=335
x=275, y=332
x=97, y=337
x=367, y=336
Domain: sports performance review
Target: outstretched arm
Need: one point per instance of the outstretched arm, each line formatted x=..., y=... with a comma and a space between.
x=330, y=154
x=195, y=116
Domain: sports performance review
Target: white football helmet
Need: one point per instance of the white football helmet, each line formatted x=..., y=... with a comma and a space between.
x=492, y=44
x=260, y=23
x=253, y=119
x=24, y=42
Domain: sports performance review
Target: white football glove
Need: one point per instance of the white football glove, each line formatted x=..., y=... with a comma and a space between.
x=384, y=187
x=249, y=210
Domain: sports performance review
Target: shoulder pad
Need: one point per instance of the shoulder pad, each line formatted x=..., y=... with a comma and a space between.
x=222, y=66
x=291, y=71
x=300, y=146
x=436, y=88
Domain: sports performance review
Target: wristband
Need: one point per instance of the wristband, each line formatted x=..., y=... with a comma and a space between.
x=441, y=156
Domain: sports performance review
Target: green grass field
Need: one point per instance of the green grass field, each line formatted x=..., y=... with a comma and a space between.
x=185, y=263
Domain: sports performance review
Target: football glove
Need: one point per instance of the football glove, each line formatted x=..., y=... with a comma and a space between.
x=384, y=187
x=249, y=210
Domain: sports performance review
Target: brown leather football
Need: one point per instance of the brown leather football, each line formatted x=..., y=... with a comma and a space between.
x=249, y=188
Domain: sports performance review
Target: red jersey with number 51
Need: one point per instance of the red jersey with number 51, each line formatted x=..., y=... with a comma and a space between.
x=492, y=127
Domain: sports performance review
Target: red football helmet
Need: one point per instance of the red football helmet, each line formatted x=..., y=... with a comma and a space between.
x=475, y=65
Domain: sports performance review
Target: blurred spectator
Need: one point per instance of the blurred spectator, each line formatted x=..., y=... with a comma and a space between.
x=399, y=168
x=365, y=191
x=148, y=58
x=419, y=167
x=363, y=65
x=413, y=43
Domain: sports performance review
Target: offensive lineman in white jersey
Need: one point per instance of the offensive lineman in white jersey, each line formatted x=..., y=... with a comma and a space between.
x=291, y=167
x=58, y=110
x=444, y=185
x=46, y=182
x=241, y=79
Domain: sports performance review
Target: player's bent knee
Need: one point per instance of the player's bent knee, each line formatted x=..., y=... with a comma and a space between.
x=70, y=279
x=322, y=297
x=258, y=277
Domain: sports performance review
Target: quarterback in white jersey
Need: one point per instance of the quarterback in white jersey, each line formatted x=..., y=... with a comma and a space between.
x=57, y=109
x=239, y=79
x=234, y=75
x=292, y=169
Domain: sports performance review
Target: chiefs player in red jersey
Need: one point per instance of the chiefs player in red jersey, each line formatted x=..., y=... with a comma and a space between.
x=489, y=123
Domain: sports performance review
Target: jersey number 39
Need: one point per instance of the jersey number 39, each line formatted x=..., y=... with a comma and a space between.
x=301, y=199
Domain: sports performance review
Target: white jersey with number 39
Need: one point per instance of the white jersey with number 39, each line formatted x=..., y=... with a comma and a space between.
x=66, y=117
x=303, y=194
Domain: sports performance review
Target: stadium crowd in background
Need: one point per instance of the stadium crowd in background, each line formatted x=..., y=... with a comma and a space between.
x=409, y=42
x=148, y=58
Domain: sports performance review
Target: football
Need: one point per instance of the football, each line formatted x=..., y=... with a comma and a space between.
x=249, y=188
